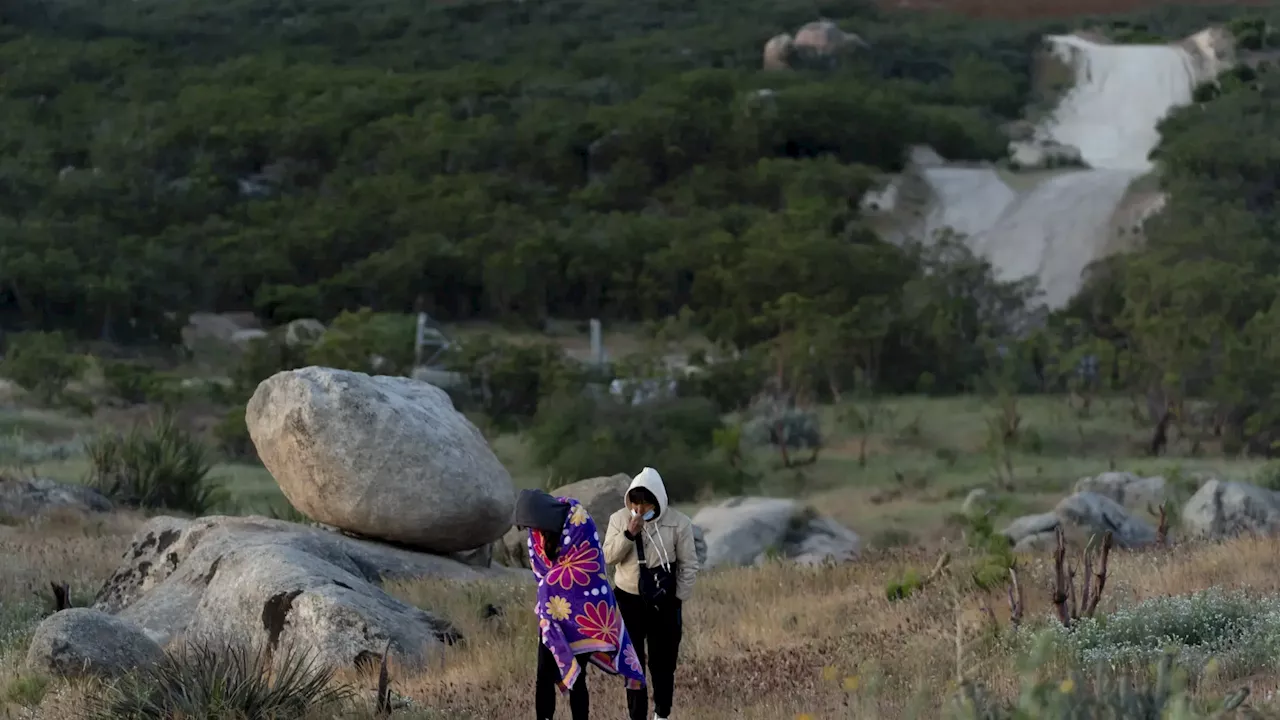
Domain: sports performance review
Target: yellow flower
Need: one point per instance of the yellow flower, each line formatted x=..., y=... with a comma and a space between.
x=578, y=516
x=558, y=607
x=804, y=716
x=850, y=683
x=828, y=674
x=1067, y=686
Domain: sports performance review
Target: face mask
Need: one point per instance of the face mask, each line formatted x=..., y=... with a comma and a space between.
x=647, y=516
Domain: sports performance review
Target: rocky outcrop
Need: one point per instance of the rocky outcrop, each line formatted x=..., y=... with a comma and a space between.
x=1128, y=490
x=1224, y=509
x=777, y=52
x=749, y=530
x=383, y=457
x=24, y=498
x=269, y=582
x=1081, y=514
x=816, y=44
x=303, y=332
x=81, y=642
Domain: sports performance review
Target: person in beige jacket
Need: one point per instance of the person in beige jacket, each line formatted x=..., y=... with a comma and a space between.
x=651, y=546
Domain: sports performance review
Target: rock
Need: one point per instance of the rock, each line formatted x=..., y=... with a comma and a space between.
x=303, y=332
x=816, y=44
x=81, y=642
x=270, y=582
x=244, y=338
x=777, y=52
x=1094, y=513
x=1130, y=491
x=749, y=530
x=825, y=38
x=1084, y=513
x=27, y=498
x=209, y=329
x=602, y=496
x=384, y=457
x=1223, y=509
x=700, y=545
x=1043, y=155
x=1025, y=532
x=977, y=502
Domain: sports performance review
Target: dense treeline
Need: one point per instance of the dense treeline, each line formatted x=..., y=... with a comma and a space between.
x=519, y=161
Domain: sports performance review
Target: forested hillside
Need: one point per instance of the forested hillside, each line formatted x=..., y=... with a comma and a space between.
x=518, y=161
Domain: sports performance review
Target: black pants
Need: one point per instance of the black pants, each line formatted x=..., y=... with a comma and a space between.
x=548, y=676
x=659, y=628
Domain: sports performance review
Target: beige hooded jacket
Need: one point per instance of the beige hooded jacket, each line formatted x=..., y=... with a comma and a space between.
x=667, y=538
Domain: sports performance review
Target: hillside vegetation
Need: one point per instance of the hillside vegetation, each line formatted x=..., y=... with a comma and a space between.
x=522, y=167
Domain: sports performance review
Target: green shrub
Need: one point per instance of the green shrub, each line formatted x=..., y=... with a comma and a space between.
x=232, y=435
x=226, y=681
x=160, y=466
x=580, y=436
x=355, y=338
x=264, y=357
x=1240, y=634
x=132, y=382
x=506, y=380
x=41, y=363
x=26, y=690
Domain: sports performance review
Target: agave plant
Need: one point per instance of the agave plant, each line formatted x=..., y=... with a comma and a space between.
x=224, y=681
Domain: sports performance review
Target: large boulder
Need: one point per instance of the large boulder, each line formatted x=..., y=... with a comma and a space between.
x=750, y=530
x=1223, y=509
x=602, y=496
x=1080, y=515
x=81, y=642
x=25, y=498
x=777, y=52
x=384, y=457
x=269, y=582
x=1130, y=491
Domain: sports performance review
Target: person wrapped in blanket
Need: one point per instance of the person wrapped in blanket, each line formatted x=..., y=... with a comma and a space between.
x=578, y=618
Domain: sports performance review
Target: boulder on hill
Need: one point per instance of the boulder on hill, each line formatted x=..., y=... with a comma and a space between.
x=747, y=531
x=1081, y=514
x=269, y=583
x=819, y=44
x=1224, y=509
x=383, y=457
x=1130, y=491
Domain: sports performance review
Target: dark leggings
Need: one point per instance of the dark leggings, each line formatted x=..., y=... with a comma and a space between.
x=656, y=633
x=547, y=689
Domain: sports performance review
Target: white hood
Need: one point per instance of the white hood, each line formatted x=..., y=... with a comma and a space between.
x=650, y=480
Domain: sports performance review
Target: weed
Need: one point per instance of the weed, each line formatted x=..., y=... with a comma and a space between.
x=226, y=680
x=160, y=466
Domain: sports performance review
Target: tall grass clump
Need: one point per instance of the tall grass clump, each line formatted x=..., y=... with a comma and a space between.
x=1236, y=633
x=223, y=681
x=159, y=466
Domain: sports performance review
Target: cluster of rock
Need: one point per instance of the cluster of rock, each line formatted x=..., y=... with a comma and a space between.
x=210, y=333
x=404, y=480
x=1126, y=505
x=401, y=486
x=817, y=44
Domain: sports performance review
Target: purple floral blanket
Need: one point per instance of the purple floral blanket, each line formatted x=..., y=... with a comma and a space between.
x=577, y=613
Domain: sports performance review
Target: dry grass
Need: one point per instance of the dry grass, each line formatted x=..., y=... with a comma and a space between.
x=767, y=642
x=781, y=640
